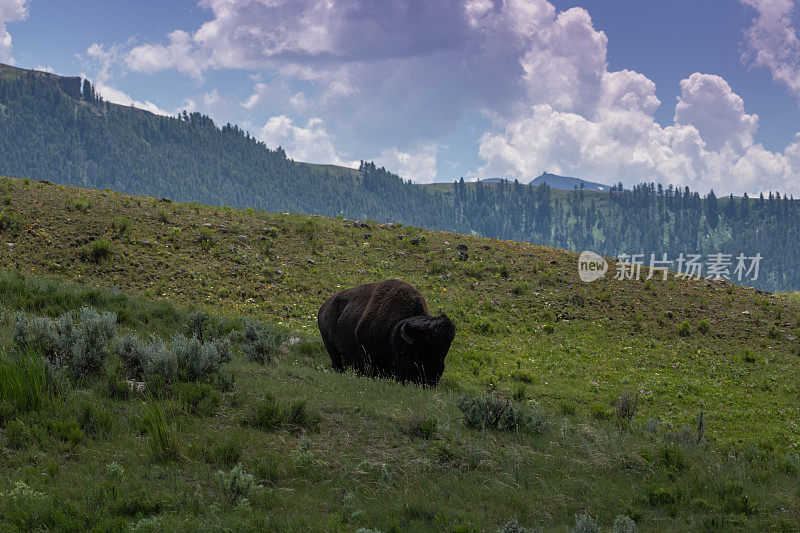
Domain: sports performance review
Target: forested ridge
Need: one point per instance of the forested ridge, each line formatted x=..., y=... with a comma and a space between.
x=51, y=130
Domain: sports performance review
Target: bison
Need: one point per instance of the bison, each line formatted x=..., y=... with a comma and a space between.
x=384, y=329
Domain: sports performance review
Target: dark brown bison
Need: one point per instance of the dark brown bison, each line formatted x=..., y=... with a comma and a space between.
x=384, y=329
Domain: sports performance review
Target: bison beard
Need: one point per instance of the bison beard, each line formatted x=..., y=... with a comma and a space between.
x=384, y=329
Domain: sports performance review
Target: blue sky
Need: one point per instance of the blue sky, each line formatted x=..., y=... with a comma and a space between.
x=703, y=94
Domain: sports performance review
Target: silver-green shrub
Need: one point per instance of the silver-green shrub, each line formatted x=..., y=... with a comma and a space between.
x=585, y=523
x=90, y=343
x=512, y=526
x=158, y=361
x=129, y=348
x=196, y=360
x=237, y=485
x=36, y=335
x=146, y=358
x=624, y=524
x=490, y=412
x=82, y=347
x=259, y=343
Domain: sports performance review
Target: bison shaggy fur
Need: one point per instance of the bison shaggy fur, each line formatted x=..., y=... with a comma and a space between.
x=384, y=329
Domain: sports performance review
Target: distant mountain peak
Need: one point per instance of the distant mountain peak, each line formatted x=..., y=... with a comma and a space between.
x=568, y=183
x=564, y=183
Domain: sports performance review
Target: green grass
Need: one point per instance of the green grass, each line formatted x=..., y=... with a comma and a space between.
x=22, y=381
x=337, y=451
x=162, y=437
x=385, y=456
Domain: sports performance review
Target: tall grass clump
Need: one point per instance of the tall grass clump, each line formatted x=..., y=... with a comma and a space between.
x=22, y=381
x=51, y=298
x=269, y=415
x=206, y=238
x=97, y=251
x=162, y=437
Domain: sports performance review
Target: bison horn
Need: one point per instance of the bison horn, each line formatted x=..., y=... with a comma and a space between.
x=405, y=335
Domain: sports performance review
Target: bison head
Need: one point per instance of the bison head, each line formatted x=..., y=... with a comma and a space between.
x=419, y=346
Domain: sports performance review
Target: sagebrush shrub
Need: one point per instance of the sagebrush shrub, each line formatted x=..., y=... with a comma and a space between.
x=10, y=222
x=512, y=526
x=490, y=412
x=90, y=347
x=199, y=325
x=115, y=471
x=223, y=346
x=196, y=359
x=129, y=349
x=237, y=485
x=159, y=362
x=146, y=358
x=36, y=335
x=585, y=523
x=188, y=360
x=624, y=524
x=626, y=406
x=260, y=344
x=83, y=347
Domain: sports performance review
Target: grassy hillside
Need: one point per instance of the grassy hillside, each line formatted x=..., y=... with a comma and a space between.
x=712, y=368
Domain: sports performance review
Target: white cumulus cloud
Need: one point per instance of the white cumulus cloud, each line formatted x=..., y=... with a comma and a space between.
x=629, y=146
x=772, y=41
x=395, y=78
x=417, y=165
x=310, y=142
x=10, y=11
x=178, y=54
x=117, y=96
x=708, y=103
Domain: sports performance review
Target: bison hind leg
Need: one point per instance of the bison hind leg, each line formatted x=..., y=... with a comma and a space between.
x=336, y=356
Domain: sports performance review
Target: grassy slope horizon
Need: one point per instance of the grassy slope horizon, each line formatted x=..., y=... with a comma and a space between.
x=523, y=318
